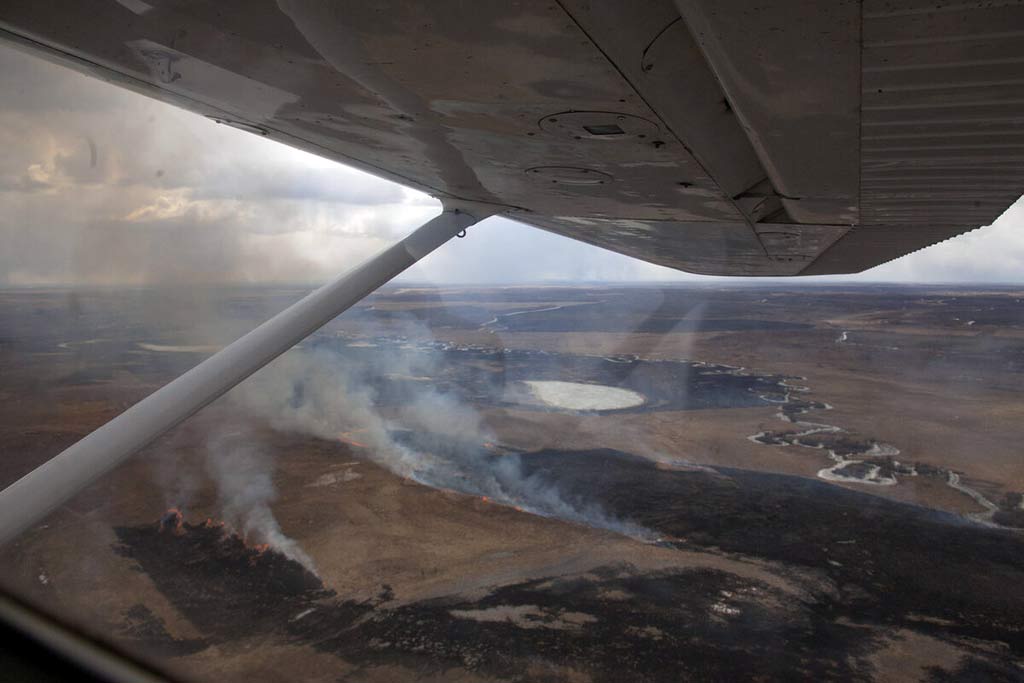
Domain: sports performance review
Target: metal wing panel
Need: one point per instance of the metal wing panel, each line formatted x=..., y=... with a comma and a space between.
x=869, y=245
x=791, y=71
x=704, y=248
x=445, y=96
x=727, y=140
x=942, y=115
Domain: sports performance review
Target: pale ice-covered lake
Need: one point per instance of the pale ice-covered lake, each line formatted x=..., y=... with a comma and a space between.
x=582, y=396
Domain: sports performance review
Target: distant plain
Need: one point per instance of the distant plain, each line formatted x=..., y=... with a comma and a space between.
x=813, y=474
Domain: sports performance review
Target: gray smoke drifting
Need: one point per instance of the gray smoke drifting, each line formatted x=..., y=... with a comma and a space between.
x=393, y=399
x=243, y=473
x=424, y=434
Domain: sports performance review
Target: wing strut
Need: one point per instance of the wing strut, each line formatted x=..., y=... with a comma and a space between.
x=28, y=500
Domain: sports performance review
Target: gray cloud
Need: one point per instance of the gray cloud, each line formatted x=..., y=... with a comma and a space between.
x=102, y=186
x=315, y=184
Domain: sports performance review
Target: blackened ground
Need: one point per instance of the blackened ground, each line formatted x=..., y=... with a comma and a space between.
x=976, y=670
x=894, y=563
x=619, y=625
x=894, y=566
x=615, y=623
x=227, y=589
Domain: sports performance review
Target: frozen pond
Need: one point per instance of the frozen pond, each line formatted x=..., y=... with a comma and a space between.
x=580, y=396
x=179, y=348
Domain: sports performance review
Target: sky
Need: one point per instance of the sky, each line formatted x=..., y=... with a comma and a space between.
x=103, y=187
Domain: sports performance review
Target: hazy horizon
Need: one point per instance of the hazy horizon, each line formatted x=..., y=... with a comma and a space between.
x=711, y=282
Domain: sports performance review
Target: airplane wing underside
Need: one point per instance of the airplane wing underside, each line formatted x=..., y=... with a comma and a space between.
x=713, y=136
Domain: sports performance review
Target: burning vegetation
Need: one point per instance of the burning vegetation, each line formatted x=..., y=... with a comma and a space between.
x=223, y=583
x=348, y=438
x=623, y=623
x=171, y=522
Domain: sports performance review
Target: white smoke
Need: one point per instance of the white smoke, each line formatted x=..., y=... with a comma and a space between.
x=243, y=473
x=324, y=394
x=419, y=431
x=311, y=393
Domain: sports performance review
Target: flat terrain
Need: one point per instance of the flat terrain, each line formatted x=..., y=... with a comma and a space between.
x=558, y=484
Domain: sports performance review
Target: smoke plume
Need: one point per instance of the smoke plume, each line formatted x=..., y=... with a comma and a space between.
x=243, y=473
x=423, y=433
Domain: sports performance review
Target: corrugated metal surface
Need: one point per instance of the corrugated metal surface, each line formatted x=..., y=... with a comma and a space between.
x=942, y=126
x=942, y=129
